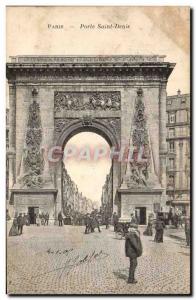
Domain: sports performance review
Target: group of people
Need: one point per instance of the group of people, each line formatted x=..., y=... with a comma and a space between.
x=92, y=222
x=42, y=219
x=18, y=223
x=159, y=226
x=24, y=219
x=133, y=244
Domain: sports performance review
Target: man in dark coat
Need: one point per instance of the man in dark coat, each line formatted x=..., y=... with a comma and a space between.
x=60, y=219
x=20, y=222
x=159, y=227
x=115, y=221
x=133, y=249
x=87, y=224
x=96, y=222
x=46, y=217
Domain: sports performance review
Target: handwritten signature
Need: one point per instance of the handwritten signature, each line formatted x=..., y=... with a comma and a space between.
x=73, y=261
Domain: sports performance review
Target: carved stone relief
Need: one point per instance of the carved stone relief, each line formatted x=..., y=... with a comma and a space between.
x=138, y=170
x=60, y=124
x=33, y=162
x=87, y=101
x=113, y=124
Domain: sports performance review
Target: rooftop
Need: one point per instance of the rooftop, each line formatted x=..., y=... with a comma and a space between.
x=178, y=101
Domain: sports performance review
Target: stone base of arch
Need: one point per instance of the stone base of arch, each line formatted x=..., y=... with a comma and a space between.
x=135, y=200
x=43, y=200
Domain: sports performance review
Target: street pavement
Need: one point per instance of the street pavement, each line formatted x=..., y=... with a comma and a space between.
x=63, y=260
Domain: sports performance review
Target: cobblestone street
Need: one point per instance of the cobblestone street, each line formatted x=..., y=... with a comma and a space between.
x=63, y=260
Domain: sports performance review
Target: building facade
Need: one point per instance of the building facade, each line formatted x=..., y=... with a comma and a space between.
x=106, y=197
x=73, y=202
x=178, y=159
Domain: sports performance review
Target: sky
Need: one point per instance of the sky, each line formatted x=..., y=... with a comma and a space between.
x=153, y=30
x=88, y=172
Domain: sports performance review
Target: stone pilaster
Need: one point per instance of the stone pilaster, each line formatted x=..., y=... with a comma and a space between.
x=162, y=140
x=12, y=135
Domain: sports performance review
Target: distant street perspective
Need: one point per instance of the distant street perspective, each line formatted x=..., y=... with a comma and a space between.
x=65, y=260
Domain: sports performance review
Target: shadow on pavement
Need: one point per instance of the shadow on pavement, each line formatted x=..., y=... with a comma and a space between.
x=120, y=274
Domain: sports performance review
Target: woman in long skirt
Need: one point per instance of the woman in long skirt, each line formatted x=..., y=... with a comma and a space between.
x=14, y=228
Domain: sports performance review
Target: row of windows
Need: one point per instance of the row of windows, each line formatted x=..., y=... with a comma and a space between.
x=179, y=116
x=171, y=183
x=169, y=101
x=178, y=132
x=171, y=164
x=172, y=146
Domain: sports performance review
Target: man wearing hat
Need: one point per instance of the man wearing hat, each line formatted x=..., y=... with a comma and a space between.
x=20, y=222
x=133, y=249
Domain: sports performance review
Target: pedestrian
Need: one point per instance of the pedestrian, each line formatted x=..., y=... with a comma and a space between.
x=25, y=219
x=96, y=223
x=187, y=231
x=149, y=230
x=115, y=221
x=28, y=220
x=46, y=218
x=91, y=223
x=134, y=219
x=60, y=218
x=159, y=228
x=175, y=220
x=180, y=220
x=107, y=221
x=14, y=229
x=42, y=219
x=35, y=219
x=38, y=220
x=87, y=223
x=20, y=222
x=133, y=250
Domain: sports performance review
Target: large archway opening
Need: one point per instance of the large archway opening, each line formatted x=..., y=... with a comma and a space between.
x=87, y=176
x=106, y=138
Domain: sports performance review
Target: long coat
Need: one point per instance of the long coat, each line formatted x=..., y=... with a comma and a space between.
x=20, y=221
x=133, y=245
x=159, y=227
x=14, y=228
x=60, y=217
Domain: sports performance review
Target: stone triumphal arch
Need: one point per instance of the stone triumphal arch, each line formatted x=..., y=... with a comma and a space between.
x=122, y=98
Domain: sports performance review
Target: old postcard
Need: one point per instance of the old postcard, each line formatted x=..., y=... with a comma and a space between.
x=98, y=150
